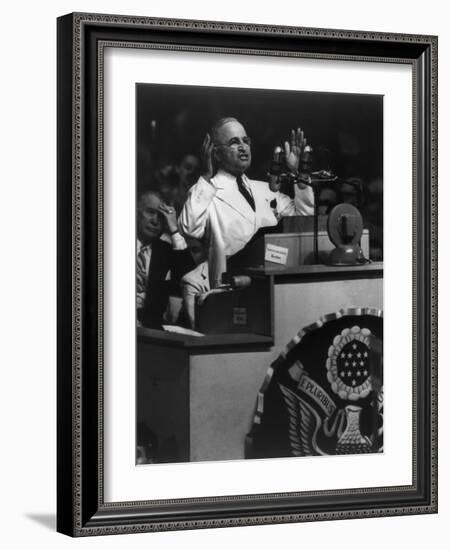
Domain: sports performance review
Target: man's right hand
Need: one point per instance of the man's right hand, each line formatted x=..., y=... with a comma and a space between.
x=206, y=156
x=294, y=151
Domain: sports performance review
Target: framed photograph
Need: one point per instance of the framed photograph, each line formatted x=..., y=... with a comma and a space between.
x=247, y=292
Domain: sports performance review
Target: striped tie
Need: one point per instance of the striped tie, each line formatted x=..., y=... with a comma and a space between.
x=141, y=276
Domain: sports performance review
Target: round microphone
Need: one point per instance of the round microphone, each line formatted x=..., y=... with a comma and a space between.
x=277, y=162
x=240, y=281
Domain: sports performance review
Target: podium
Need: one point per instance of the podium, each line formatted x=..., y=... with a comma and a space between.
x=197, y=394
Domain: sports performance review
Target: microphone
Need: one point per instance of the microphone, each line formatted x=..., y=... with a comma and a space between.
x=236, y=281
x=277, y=166
x=278, y=173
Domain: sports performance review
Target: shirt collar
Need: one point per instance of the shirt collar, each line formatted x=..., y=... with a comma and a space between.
x=229, y=177
x=141, y=246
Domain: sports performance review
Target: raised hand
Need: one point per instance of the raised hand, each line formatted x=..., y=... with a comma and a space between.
x=294, y=150
x=206, y=157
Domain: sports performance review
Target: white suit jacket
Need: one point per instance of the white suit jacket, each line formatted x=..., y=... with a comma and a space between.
x=220, y=212
x=193, y=284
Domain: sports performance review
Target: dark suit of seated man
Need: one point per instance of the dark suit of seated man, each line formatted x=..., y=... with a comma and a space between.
x=159, y=255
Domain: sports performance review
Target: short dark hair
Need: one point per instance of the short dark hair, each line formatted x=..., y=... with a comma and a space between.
x=147, y=191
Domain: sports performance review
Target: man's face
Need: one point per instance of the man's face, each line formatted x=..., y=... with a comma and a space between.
x=197, y=250
x=148, y=218
x=232, y=148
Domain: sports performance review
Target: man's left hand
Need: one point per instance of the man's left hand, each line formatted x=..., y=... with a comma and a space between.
x=169, y=214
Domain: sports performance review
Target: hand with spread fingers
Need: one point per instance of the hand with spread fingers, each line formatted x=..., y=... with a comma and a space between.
x=206, y=157
x=169, y=213
x=294, y=150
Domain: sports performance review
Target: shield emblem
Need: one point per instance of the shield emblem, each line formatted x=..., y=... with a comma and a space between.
x=324, y=394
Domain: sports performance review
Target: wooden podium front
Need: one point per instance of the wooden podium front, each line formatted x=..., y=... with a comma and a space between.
x=196, y=394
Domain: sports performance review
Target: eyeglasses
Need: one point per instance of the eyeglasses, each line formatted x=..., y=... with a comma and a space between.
x=235, y=143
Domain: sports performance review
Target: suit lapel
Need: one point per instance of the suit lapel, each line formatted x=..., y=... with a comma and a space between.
x=263, y=198
x=159, y=262
x=227, y=192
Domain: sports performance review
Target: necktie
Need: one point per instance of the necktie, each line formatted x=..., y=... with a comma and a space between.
x=244, y=191
x=141, y=276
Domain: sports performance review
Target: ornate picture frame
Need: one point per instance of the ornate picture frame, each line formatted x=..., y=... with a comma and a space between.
x=82, y=509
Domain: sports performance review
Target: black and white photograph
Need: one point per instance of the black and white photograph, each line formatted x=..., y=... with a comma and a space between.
x=220, y=299
x=247, y=276
x=259, y=273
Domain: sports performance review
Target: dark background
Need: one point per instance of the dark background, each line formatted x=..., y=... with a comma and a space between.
x=345, y=131
x=350, y=126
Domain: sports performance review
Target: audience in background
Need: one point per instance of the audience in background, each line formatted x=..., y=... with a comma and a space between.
x=174, y=181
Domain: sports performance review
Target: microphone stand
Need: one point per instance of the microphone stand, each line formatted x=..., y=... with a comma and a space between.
x=315, y=221
x=316, y=183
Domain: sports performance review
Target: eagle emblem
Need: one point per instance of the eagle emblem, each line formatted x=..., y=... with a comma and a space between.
x=328, y=388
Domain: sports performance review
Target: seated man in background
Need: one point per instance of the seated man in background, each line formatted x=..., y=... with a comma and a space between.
x=161, y=253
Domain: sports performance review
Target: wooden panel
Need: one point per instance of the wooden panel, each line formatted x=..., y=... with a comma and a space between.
x=207, y=342
x=298, y=250
x=317, y=272
x=223, y=388
x=162, y=399
x=223, y=391
x=301, y=224
x=299, y=305
x=246, y=310
x=301, y=247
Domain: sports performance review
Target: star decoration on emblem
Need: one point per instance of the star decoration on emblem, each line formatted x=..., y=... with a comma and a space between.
x=346, y=364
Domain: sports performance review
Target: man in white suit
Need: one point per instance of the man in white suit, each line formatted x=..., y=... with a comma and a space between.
x=225, y=207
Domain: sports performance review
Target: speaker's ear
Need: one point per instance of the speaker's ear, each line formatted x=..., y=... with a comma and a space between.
x=215, y=158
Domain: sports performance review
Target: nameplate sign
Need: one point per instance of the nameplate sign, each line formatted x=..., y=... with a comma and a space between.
x=276, y=254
